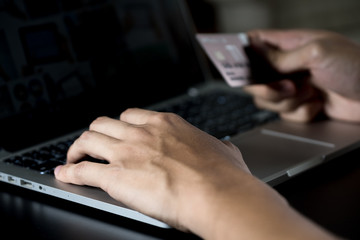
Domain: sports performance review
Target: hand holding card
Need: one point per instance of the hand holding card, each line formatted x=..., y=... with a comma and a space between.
x=239, y=63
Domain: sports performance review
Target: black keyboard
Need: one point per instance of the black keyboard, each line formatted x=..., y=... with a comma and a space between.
x=44, y=159
x=220, y=114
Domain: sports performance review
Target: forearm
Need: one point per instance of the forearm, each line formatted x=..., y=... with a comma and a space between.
x=255, y=211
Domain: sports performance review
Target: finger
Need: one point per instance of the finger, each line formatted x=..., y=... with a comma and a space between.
x=124, y=186
x=84, y=173
x=305, y=112
x=136, y=116
x=287, y=104
x=94, y=144
x=286, y=40
x=274, y=92
x=112, y=127
x=341, y=108
x=299, y=59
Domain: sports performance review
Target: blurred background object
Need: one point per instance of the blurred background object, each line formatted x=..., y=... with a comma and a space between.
x=342, y=16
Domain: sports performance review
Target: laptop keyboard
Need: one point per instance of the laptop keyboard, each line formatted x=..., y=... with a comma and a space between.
x=220, y=114
x=44, y=159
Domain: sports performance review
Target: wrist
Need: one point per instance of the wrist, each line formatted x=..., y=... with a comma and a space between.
x=215, y=207
x=248, y=208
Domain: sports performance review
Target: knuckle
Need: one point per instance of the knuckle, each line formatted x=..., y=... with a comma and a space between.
x=97, y=121
x=84, y=136
x=165, y=118
x=317, y=49
x=231, y=145
x=139, y=132
x=139, y=135
x=77, y=172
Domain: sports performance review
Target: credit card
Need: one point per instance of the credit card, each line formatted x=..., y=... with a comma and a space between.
x=239, y=62
x=226, y=51
x=242, y=63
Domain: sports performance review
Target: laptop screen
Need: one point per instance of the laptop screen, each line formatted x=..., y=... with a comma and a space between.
x=63, y=63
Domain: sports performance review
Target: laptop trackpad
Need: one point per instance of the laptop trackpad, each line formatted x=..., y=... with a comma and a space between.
x=270, y=154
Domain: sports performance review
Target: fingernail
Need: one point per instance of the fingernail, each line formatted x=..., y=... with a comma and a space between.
x=57, y=169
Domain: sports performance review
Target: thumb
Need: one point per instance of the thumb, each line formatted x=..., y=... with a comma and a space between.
x=289, y=61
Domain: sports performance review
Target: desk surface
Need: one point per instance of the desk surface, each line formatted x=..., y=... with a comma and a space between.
x=328, y=194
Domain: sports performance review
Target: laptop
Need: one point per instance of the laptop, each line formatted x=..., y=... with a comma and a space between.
x=68, y=62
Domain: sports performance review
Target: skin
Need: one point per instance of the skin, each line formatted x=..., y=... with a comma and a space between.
x=162, y=166
x=166, y=168
x=333, y=86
